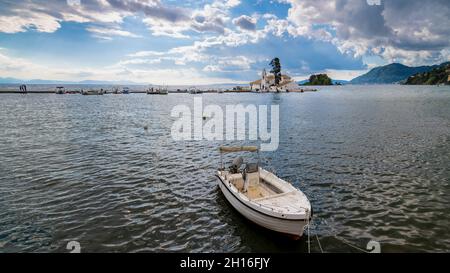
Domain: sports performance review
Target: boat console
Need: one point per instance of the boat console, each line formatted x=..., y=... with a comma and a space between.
x=251, y=176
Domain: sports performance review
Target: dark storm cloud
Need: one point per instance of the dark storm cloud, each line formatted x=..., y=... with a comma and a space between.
x=413, y=28
x=155, y=9
x=245, y=22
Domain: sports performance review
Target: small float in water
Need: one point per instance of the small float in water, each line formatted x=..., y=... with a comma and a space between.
x=302, y=90
x=93, y=92
x=262, y=197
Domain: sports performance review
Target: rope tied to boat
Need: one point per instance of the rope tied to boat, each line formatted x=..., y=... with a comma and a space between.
x=320, y=246
x=309, y=241
x=350, y=244
x=309, y=223
x=342, y=240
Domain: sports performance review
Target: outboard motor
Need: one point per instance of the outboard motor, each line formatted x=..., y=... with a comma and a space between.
x=236, y=165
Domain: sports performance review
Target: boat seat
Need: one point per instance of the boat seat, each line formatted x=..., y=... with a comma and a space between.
x=255, y=192
x=275, y=196
x=252, y=168
x=234, y=176
x=237, y=180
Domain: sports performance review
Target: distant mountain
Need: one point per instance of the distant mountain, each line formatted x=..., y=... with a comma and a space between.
x=38, y=81
x=439, y=75
x=9, y=80
x=392, y=73
x=110, y=82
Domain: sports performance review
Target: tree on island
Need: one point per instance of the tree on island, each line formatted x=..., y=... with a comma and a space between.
x=276, y=70
x=320, y=79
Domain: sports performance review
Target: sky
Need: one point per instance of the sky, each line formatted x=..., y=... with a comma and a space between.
x=193, y=42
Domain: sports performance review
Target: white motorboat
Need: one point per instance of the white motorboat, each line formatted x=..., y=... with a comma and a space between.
x=194, y=90
x=262, y=197
x=60, y=90
x=126, y=90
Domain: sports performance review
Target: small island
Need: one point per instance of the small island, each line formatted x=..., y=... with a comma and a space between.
x=319, y=80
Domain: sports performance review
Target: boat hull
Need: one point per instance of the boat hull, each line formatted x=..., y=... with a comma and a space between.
x=92, y=94
x=291, y=227
x=162, y=93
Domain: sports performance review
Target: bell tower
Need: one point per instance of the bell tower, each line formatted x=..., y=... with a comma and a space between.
x=264, y=80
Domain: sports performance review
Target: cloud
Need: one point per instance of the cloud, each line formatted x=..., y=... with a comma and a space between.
x=22, y=16
x=153, y=9
x=139, y=62
x=245, y=22
x=162, y=19
x=39, y=21
x=25, y=69
x=230, y=3
x=13, y=65
x=406, y=30
x=314, y=36
x=146, y=54
x=174, y=22
x=160, y=27
x=107, y=33
x=212, y=18
x=229, y=64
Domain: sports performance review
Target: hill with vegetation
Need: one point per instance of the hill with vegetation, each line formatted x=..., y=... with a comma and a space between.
x=439, y=75
x=392, y=73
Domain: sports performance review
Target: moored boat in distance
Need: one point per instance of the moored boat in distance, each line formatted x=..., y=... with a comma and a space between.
x=158, y=91
x=60, y=90
x=194, y=90
x=125, y=90
x=302, y=90
x=262, y=197
x=115, y=90
x=93, y=92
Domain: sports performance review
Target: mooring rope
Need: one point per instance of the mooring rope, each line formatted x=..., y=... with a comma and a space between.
x=320, y=246
x=350, y=244
x=335, y=236
x=309, y=241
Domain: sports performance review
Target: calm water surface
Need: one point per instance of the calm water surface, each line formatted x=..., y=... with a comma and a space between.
x=374, y=162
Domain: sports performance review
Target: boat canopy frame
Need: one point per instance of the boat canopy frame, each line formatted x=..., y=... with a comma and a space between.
x=237, y=149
